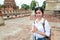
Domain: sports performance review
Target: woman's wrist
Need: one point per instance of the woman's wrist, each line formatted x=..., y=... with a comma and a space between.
x=41, y=33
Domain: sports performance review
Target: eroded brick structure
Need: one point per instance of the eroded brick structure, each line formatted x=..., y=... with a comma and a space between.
x=53, y=5
x=9, y=5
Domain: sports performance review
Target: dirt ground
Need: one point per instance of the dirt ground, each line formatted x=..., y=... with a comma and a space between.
x=26, y=33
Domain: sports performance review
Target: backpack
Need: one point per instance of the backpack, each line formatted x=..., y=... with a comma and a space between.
x=48, y=38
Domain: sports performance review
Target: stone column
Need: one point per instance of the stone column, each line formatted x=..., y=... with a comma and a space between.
x=1, y=19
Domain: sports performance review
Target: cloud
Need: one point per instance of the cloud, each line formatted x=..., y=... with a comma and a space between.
x=19, y=3
x=1, y=1
x=40, y=2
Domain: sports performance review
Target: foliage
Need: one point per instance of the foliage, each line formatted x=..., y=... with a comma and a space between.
x=33, y=4
x=44, y=5
x=25, y=6
x=1, y=6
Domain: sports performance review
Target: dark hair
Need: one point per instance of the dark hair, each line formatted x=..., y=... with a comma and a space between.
x=39, y=8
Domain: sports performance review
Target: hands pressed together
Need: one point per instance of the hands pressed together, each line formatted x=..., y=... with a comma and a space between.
x=35, y=30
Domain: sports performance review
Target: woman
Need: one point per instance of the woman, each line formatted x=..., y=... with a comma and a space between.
x=38, y=29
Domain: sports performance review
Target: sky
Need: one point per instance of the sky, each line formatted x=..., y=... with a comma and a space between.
x=20, y=2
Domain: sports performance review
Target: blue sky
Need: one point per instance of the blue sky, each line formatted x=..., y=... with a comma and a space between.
x=20, y=2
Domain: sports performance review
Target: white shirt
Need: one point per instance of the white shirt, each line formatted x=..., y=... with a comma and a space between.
x=39, y=26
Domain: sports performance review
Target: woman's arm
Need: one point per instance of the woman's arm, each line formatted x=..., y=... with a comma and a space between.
x=37, y=31
x=47, y=29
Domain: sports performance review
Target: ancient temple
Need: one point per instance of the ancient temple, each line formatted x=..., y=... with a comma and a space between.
x=9, y=5
x=53, y=5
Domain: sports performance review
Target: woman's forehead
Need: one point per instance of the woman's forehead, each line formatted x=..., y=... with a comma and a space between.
x=38, y=11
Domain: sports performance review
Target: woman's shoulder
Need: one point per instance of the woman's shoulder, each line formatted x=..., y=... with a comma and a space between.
x=44, y=19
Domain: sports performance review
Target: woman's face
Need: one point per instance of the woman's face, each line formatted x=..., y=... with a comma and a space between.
x=38, y=14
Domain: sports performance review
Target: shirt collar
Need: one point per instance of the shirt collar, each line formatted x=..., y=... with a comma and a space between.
x=41, y=21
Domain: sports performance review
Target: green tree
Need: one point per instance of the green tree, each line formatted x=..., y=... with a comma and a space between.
x=33, y=4
x=1, y=6
x=25, y=6
x=44, y=5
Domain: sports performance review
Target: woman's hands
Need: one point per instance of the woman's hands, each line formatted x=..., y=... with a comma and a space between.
x=35, y=30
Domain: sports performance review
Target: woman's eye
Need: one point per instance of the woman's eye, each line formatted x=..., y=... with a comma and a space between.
x=38, y=12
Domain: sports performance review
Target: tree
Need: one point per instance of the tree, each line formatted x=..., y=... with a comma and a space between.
x=44, y=5
x=33, y=4
x=1, y=6
x=25, y=6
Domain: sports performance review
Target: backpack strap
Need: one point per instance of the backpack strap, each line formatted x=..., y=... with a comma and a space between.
x=44, y=25
x=34, y=22
x=45, y=30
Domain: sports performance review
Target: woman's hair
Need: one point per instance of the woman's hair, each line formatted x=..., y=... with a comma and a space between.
x=39, y=8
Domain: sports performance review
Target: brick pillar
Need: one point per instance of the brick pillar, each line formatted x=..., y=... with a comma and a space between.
x=1, y=19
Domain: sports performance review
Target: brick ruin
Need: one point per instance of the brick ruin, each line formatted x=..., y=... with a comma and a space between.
x=9, y=5
x=53, y=7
